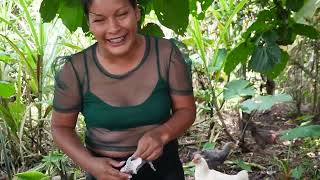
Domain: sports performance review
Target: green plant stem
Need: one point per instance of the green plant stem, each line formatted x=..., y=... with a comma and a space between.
x=6, y=158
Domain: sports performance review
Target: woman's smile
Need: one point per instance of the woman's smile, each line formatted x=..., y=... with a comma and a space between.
x=117, y=41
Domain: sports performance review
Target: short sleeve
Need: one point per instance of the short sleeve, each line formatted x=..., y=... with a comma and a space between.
x=67, y=91
x=179, y=73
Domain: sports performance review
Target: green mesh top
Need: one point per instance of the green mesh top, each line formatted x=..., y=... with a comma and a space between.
x=119, y=109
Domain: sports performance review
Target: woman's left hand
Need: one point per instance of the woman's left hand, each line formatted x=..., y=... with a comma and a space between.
x=150, y=146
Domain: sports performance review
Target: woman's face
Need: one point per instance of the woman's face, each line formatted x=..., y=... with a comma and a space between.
x=114, y=25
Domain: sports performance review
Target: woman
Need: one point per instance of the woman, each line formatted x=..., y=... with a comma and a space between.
x=134, y=91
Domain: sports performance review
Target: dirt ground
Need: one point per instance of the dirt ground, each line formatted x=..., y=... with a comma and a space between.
x=264, y=163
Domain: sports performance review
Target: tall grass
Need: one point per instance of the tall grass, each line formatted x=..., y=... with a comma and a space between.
x=27, y=50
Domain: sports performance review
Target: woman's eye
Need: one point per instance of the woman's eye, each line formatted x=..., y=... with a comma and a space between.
x=98, y=20
x=122, y=14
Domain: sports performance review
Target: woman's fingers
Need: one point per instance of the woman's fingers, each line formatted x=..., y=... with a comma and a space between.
x=151, y=152
x=115, y=163
x=154, y=155
x=142, y=147
x=149, y=147
x=115, y=173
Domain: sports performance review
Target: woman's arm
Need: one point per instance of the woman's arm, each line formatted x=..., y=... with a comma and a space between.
x=151, y=144
x=64, y=135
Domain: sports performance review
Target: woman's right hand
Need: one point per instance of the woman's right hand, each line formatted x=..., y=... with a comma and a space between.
x=105, y=169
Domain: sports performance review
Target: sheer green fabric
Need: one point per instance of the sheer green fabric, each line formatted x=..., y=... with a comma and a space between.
x=120, y=108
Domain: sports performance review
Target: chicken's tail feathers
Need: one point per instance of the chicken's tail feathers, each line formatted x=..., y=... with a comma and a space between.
x=243, y=175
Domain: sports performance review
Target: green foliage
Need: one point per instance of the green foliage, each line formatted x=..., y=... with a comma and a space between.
x=153, y=30
x=12, y=114
x=301, y=132
x=297, y=172
x=240, y=163
x=274, y=26
x=6, y=89
x=284, y=167
x=305, y=30
x=294, y=5
x=6, y=58
x=72, y=13
x=204, y=4
x=32, y=175
x=238, y=55
x=208, y=146
x=237, y=89
x=189, y=169
x=216, y=64
x=279, y=67
x=55, y=162
x=262, y=103
x=266, y=55
x=172, y=14
x=49, y=9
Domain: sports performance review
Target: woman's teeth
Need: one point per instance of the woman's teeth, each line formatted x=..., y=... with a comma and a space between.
x=117, y=40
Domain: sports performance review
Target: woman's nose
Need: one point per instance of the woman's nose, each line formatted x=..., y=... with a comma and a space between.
x=113, y=26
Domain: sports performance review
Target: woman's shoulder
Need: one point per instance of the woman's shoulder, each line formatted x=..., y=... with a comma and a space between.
x=80, y=55
x=76, y=60
x=164, y=45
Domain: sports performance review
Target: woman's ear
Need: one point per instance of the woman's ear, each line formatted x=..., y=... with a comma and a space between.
x=138, y=13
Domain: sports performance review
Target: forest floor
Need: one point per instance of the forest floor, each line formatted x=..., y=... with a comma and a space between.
x=265, y=162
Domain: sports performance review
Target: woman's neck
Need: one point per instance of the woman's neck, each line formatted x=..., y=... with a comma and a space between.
x=123, y=59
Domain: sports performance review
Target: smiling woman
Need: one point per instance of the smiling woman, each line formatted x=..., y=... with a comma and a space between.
x=134, y=91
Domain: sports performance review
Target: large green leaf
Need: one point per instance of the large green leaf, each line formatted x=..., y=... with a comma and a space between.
x=305, y=30
x=301, y=132
x=17, y=110
x=262, y=103
x=49, y=9
x=216, y=64
x=71, y=13
x=173, y=14
x=278, y=68
x=265, y=22
x=294, y=5
x=31, y=175
x=6, y=89
x=267, y=55
x=9, y=120
x=152, y=29
x=237, y=89
x=238, y=55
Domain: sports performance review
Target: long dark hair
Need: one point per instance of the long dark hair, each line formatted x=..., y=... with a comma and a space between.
x=86, y=4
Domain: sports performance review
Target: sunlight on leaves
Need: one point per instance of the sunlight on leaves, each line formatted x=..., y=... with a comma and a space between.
x=262, y=103
x=237, y=89
x=301, y=132
x=6, y=89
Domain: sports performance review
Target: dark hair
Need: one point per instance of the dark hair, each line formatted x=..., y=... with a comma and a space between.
x=86, y=4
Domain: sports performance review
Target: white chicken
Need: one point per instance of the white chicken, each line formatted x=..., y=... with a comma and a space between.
x=202, y=171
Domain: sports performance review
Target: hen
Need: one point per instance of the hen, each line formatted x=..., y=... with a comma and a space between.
x=216, y=157
x=263, y=136
x=202, y=171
